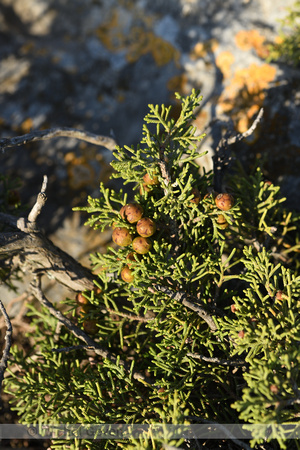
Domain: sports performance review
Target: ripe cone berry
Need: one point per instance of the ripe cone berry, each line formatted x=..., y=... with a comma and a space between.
x=133, y=212
x=122, y=212
x=146, y=227
x=90, y=326
x=131, y=257
x=274, y=389
x=141, y=245
x=222, y=222
x=82, y=310
x=121, y=236
x=144, y=188
x=81, y=299
x=97, y=290
x=150, y=181
x=233, y=308
x=197, y=197
x=127, y=275
x=224, y=201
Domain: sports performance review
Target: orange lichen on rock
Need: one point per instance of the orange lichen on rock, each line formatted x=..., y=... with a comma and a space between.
x=245, y=95
x=255, y=78
x=224, y=61
x=201, y=49
x=248, y=83
x=251, y=39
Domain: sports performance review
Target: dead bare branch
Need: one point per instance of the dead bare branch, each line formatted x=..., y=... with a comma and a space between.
x=8, y=339
x=222, y=362
x=248, y=132
x=222, y=158
x=42, y=135
x=40, y=202
x=36, y=253
x=72, y=348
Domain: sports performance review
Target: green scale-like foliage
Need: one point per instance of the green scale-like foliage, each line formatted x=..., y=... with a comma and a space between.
x=242, y=366
x=287, y=47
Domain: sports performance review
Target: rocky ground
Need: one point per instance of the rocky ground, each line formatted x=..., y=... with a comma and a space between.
x=97, y=64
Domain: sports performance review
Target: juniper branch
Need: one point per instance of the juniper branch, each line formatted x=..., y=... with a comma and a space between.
x=37, y=291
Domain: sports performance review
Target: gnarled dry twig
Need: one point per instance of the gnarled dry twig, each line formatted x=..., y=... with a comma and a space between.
x=35, y=252
x=8, y=339
x=221, y=159
x=42, y=135
x=183, y=298
x=220, y=361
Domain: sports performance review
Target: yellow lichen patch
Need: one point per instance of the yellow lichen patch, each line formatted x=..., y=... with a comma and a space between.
x=121, y=33
x=2, y=122
x=43, y=51
x=202, y=48
x=27, y=125
x=80, y=173
x=69, y=157
x=179, y=83
x=28, y=47
x=224, y=61
x=88, y=169
x=251, y=39
x=141, y=42
x=111, y=33
x=120, y=97
x=245, y=94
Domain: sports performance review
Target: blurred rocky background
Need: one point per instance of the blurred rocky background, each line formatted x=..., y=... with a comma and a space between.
x=95, y=65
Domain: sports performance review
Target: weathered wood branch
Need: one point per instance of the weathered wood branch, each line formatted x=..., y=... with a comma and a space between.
x=34, y=252
x=222, y=157
x=8, y=342
x=42, y=135
x=186, y=300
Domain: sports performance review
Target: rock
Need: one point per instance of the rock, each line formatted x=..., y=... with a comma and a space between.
x=96, y=65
